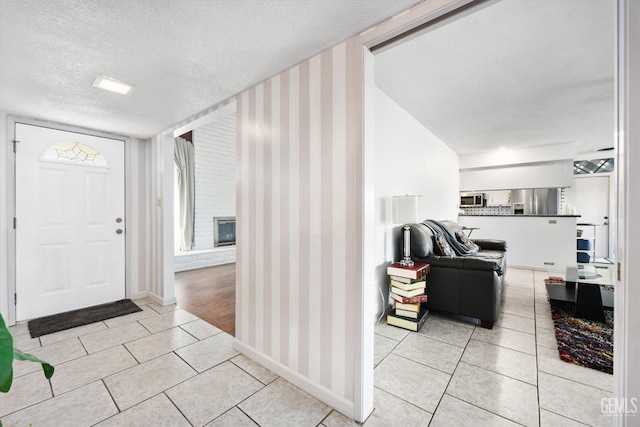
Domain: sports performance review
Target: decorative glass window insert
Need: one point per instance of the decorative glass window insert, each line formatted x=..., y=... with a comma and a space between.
x=75, y=153
x=582, y=167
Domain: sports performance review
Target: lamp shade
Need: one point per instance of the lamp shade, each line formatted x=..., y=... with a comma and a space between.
x=407, y=209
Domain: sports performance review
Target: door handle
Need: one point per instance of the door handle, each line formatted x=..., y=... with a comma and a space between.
x=119, y=231
x=118, y=220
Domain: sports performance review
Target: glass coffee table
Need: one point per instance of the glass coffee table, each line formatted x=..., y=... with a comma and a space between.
x=581, y=284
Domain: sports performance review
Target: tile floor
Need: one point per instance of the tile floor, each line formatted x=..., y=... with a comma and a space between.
x=165, y=367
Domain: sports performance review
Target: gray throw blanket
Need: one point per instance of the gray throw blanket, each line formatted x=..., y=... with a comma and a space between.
x=439, y=228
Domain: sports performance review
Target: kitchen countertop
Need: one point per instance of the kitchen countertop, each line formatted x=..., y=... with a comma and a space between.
x=522, y=215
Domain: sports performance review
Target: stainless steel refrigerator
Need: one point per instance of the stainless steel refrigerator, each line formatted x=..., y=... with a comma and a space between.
x=537, y=201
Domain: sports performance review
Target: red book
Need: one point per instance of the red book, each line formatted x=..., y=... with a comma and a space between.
x=410, y=272
x=408, y=300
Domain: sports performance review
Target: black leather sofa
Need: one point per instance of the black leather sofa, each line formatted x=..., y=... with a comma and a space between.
x=467, y=285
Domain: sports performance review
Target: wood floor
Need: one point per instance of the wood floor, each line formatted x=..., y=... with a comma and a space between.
x=210, y=294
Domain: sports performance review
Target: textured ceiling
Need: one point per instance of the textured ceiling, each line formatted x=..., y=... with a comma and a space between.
x=182, y=56
x=515, y=73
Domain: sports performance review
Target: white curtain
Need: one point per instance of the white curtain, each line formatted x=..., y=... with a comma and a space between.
x=184, y=157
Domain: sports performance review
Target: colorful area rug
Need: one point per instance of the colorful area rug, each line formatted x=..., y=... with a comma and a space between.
x=583, y=342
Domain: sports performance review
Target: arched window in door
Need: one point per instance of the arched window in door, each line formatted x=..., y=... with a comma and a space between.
x=75, y=153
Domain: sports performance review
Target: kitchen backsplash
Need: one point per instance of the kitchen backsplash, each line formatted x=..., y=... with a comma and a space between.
x=538, y=201
x=491, y=210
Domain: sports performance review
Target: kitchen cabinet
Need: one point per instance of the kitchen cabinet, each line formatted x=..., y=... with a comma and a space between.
x=498, y=198
x=543, y=175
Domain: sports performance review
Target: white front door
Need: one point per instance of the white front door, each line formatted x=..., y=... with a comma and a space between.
x=69, y=221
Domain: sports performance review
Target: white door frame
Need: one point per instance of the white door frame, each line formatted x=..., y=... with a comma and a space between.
x=626, y=389
x=11, y=200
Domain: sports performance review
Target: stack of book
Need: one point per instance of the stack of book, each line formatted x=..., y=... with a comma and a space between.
x=407, y=290
x=554, y=280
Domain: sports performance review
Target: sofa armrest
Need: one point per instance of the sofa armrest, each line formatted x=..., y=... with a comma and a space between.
x=465, y=263
x=490, y=244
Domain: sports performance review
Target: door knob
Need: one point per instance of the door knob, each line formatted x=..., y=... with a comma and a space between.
x=119, y=231
x=118, y=220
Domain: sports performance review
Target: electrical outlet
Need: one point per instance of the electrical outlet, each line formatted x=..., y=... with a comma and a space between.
x=159, y=202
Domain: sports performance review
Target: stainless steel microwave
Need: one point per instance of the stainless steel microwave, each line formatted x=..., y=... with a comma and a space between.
x=469, y=200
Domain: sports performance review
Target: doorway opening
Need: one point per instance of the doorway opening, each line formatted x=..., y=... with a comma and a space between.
x=489, y=79
x=205, y=268
x=442, y=94
x=593, y=196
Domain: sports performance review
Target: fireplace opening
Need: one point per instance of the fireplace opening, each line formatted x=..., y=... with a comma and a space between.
x=224, y=231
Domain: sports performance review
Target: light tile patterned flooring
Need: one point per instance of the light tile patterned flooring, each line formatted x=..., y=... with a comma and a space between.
x=165, y=367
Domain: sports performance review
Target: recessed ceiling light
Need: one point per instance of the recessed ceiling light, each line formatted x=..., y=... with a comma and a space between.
x=108, y=83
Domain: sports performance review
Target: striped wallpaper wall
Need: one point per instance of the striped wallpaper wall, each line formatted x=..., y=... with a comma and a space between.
x=297, y=201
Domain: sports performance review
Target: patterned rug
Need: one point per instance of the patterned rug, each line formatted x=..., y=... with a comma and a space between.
x=583, y=342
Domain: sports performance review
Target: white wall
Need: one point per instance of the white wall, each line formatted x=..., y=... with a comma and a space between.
x=409, y=160
x=515, y=156
x=215, y=176
x=538, y=175
x=545, y=166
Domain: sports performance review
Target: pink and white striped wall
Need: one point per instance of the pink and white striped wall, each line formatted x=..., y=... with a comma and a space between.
x=305, y=210
x=296, y=207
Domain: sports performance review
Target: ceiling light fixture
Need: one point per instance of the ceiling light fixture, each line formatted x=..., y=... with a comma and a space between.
x=111, y=84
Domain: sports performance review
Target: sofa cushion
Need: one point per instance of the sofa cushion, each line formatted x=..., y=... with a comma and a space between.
x=442, y=246
x=462, y=238
x=421, y=241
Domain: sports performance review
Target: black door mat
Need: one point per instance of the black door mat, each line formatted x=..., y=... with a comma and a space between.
x=71, y=319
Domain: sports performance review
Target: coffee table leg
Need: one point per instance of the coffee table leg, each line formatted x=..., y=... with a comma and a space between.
x=589, y=302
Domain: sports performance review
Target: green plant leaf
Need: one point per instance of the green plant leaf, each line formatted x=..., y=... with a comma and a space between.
x=48, y=369
x=6, y=357
x=8, y=354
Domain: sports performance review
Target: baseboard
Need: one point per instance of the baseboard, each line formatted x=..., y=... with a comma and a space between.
x=169, y=301
x=524, y=267
x=139, y=295
x=160, y=300
x=318, y=391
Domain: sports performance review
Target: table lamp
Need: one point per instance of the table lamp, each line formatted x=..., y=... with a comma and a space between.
x=406, y=210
